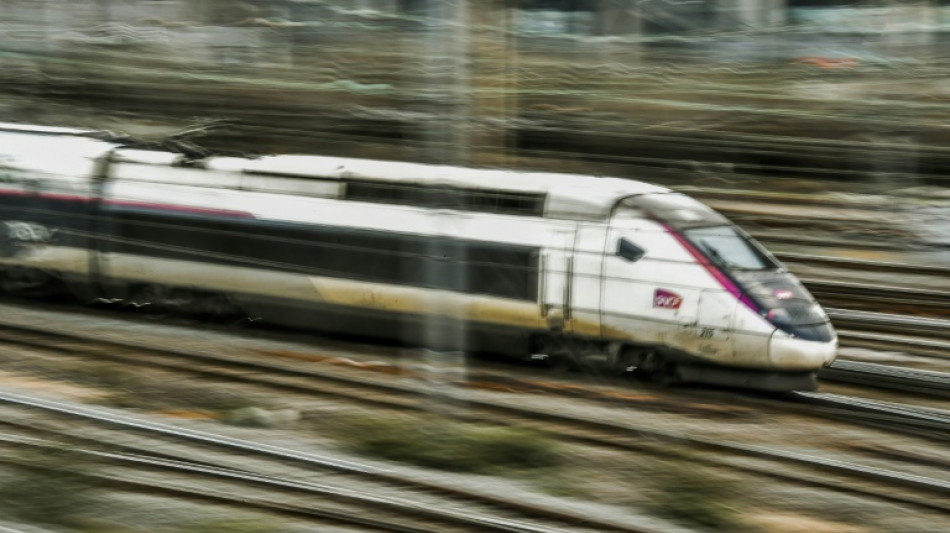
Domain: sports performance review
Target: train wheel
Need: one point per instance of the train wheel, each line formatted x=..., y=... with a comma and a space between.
x=623, y=361
x=216, y=306
x=28, y=282
x=655, y=368
x=561, y=363
x=145, y=296
x=184, y=302
x=557, y=354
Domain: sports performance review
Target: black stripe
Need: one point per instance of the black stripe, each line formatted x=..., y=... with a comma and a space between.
x=470, y=266
x=439, y=197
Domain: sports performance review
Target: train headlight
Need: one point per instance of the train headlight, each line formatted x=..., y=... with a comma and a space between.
x=778, y=315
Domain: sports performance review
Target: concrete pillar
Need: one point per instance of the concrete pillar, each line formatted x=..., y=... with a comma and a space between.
x=445, y=53
x=618, y=17
x=385, y=6
x=750, y=14
x=470, y=71
x=494, y=83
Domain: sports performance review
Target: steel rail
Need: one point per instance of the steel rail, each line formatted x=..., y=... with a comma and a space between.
x=399, y=505
x=926, y=422
x=936, y=348
x=939, y=418
x=888, y=377
x=241, y=499
x=581, y=428
x=569, y=424
x=865, y=265
x=271, y=371
x=901, y=324
x=922, y=336
x=865, y=294
x=574, y=517
x=572, y=422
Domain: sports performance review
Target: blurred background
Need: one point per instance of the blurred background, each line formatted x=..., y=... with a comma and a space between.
x=832, y=90
x=819, y=126
x=826, y=97
x=787, y=95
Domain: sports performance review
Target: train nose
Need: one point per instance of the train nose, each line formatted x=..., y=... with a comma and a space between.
x=790, y=353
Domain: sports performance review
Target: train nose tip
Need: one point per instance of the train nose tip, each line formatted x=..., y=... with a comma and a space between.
x=791, y=353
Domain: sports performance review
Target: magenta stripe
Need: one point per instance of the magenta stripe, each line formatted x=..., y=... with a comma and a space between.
x=713, y=270
x=180, y=208
x=71, y=197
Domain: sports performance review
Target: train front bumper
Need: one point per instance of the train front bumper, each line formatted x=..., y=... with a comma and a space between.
x=790, y=353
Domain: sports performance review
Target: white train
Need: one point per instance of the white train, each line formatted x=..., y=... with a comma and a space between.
x=531, y=263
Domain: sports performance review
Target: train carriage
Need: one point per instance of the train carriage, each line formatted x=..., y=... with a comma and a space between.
x=562, y=265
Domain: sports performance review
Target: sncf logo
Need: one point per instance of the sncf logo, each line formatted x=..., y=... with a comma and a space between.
x=666, y=299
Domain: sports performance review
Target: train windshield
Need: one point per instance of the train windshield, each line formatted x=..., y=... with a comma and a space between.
x=784, y=302
x=729, y=249
x=777, y=295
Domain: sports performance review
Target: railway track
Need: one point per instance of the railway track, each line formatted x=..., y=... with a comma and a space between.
x=890, y=485
x=605, y=430
x=875, y=286
x=905, y=344
x=888, y=377
x=237, y=488
x=890, y=323
x=882, y=267
x=918, y=336
x=874, y=297
x=875, y=375
x=355, y=493
x=926, y=422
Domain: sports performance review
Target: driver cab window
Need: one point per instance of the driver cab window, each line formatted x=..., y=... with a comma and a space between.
x=629, y=251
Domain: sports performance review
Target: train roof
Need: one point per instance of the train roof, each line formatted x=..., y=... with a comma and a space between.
x=48, y=150
x=548, y=194
x=45, y=130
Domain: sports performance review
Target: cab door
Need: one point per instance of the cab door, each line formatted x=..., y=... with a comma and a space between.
x=714, y=330
x=586, y=313
x=648, y=297
x=556, y=291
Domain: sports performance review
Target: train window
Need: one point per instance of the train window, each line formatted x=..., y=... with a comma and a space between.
x=487, y=201
x=474, y=267
x=726, y=247
x=629, y=251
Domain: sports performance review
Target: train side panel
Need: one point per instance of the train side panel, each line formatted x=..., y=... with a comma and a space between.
x=359, y=268
x=48, y=200
x=656, y=294
x=519, y=261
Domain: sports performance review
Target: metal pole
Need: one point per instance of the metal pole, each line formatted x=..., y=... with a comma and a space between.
x=448, y=93
x=441, y=365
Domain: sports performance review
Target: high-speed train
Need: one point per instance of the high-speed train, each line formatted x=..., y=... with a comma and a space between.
x=567, y=267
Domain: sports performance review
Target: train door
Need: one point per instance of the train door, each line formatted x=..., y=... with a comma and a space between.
x=648, y=298
x=586, y=313
x=105, y=228
x=714, y=329
x=555, y=291
x=43, y=223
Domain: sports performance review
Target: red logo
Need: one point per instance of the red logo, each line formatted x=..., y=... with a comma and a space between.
x=666, y=299
x=783, y=294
